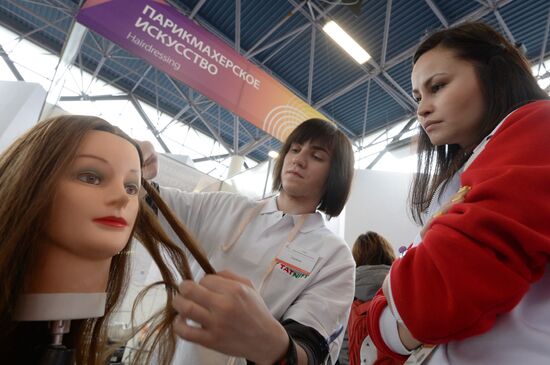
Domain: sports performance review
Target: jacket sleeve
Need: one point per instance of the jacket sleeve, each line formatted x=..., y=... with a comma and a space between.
x=377, y=306
x=478, y=260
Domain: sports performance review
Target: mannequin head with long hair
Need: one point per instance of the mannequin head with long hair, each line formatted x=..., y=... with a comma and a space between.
x=36, y=173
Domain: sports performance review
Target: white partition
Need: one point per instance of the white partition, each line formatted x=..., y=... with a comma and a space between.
x=378, y=202
x=176, y=174
x=20, y=103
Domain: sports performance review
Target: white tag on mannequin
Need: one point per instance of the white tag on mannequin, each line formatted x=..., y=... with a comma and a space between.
x=298, y=259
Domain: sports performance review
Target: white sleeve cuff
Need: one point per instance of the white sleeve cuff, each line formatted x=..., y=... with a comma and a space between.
x=390, y=335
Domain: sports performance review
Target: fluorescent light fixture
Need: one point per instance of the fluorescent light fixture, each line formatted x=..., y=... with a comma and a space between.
x=346, y=42
x=273, y=154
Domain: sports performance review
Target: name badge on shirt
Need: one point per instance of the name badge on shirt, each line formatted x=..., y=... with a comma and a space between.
x=298, y=259
x=420, y=355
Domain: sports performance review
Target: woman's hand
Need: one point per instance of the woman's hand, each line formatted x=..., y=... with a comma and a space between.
x=230, y=317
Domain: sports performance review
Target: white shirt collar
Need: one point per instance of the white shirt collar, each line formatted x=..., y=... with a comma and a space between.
x=313, y=221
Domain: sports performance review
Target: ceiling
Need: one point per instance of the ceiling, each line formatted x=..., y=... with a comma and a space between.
x=284, y=37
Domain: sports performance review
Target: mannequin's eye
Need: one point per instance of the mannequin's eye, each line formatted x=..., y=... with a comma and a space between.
x=132, y=189
x=89, y=178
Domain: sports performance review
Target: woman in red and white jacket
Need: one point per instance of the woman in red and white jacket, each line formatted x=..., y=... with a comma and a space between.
x=475, y=288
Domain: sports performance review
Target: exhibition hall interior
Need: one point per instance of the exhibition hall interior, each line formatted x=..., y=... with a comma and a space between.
x=218, y=85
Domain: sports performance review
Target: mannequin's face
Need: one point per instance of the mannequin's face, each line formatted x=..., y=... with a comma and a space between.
x=96, y=202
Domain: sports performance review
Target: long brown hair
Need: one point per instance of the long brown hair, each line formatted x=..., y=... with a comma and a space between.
x=372, y=249
x=506, y=83
x=29, y=170
x=340, y=176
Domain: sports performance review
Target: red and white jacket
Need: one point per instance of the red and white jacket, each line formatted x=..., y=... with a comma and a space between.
x=478, y=284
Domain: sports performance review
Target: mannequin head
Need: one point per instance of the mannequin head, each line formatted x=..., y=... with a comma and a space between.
x=91, y=217
x=70, y=209
x=37, y=175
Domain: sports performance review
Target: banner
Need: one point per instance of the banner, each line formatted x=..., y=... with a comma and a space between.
x=156, y=32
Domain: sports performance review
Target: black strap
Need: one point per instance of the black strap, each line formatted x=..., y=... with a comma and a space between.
x=307, y=338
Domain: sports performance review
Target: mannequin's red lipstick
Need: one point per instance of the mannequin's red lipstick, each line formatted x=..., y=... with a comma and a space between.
x=112, y=221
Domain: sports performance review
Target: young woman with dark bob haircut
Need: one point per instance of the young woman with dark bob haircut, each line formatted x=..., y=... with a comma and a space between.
x=473, y=289
x=287, y=295
x=61, y=184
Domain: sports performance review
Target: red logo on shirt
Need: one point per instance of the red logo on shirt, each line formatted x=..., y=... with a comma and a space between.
x=291, y=272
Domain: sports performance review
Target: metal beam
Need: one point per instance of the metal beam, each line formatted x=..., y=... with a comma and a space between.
x=394, y=139
x=394, y=94
x=282, y=46
x=199, y=115
x=64, y=7
x=366, y=110
x=482, y=2
x=25, y=9
x=10, y=64
x=438, y=13
x=322, y=13
x=48, y=24
x=503, y=24
x=272, y=30
x=402, y=91
x=113, y=81
x=71, y=49
x=140, y=79
x=105, y=55
x=402, y=98
x=383, y=130
x=344, y=90
x=210, y=158
x=175, y=118
x=236, y=134
x=311, y=65
x=386, y=33
x=251, y=146
x=544, y=41
x=44, y=4
x=475, y=15
x=85, y=97
x=196, y=9
x=238, y=26
x=148, y=122
x=295, y=32
x=481, y=12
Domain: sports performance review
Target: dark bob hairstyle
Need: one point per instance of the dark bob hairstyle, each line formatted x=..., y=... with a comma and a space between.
x=340, y=175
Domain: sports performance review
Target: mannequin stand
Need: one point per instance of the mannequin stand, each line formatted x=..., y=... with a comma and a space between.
x=56, y=353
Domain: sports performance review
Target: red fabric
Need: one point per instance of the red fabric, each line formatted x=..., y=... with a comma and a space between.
x=358, y=330
x=478, y=260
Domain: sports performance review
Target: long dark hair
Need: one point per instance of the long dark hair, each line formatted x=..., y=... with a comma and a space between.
x=506, y=84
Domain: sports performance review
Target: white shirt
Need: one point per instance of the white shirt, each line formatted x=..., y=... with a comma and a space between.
x=320, y=300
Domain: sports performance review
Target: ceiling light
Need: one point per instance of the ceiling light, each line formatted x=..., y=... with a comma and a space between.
x=346, y=42
x=273, y=154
